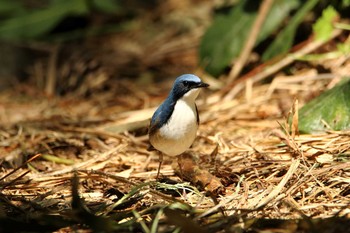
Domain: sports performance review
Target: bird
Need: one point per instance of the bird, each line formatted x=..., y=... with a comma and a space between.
x=174, y=124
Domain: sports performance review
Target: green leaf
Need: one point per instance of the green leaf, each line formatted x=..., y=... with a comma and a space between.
x=330, y=110
x=345, y=3
x=36, y=23
x=324, y=26
x=10, y=7
x=284, y=40
x=344, y=48
x=108, y=6
x=224, y=40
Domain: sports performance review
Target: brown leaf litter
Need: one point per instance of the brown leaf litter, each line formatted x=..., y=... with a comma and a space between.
x=241, y=148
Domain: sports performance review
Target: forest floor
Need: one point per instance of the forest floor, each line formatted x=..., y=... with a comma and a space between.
x=76, y=159
x=264, y=178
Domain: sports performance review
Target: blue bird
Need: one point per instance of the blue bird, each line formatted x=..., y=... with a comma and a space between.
x=174, y=124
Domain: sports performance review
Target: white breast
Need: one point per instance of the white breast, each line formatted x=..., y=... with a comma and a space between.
x=178, y=134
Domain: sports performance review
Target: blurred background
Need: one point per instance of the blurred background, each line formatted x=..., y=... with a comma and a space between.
x=61, y=46
x=82, y=46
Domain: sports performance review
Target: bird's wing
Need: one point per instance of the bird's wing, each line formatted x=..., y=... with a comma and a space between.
x=155, y=124
x=197, y=114
x=161, y=115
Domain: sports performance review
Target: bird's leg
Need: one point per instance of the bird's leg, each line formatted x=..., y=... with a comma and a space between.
x=179, y=164
x=160, y=164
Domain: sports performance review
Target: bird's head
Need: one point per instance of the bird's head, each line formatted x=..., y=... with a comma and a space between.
x=187, y=86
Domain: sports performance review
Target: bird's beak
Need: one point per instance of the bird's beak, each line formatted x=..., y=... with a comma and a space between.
x=202, y=84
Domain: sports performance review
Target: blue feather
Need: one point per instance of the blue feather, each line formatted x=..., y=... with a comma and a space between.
x=182, y=85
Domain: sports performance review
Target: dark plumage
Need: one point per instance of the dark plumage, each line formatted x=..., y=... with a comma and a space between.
x=182, y=85
x=174, y=124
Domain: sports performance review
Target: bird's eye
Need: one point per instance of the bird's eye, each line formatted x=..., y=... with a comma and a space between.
x=186, y=83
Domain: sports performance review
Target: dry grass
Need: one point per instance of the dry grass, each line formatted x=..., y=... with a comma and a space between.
x=78, y=163
x=266, y=173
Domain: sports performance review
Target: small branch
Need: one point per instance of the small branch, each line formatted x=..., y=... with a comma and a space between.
x=278, y=189
x=52, y=71
x=15, y=170
x=269, y=70
x=249, y=45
